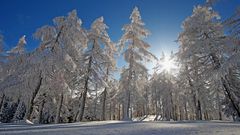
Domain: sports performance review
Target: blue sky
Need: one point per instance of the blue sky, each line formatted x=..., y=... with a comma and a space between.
x=162, y=17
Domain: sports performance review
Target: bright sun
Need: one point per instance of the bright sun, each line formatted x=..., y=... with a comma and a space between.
x=167, y=64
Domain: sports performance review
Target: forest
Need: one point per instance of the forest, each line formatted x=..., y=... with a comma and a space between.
x=73, y=75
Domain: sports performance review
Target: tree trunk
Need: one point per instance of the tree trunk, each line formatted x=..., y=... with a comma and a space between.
x=119, y=111
x=84, y=94
x=229, y=95
x=127, y=101
x=95, y=102
x=219, y=107
x=104, y=99
x=114, y=111
x=76, y=116
x=110, y=111
x=2, y=100
x=225, y=84
x=199, y=110
x=195, y=106
x=172, y=114
x=59, y=107
x=104, y=104
x=77, y=113
x=126, y=106
x=31, y=103
x=194, y=96
x=84, y=99
x=185, y=110
x=156, y=100
x=180, y=113
x=41, y=111
x=176, y=111
x=206, y=115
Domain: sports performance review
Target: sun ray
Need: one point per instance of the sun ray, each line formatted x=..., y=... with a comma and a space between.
x=167, y=64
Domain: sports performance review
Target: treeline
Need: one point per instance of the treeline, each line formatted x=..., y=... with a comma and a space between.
x=70, y=76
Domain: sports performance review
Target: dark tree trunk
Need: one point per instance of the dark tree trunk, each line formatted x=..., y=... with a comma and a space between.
x=227, y=90
x=219, y=107
x=2, y=100
x=95, y=101
x=83, y=99
x=31, y=103
x=196, y=106
x=199, y=110
x=41, y=111
x=110, y=111
x=77, y=113
x=206, y=115
x=104, y=99
x=75, y=116
x=84, y=94
x=229, y=95
x=104, y=104
x=114, y=111
x=59, y=107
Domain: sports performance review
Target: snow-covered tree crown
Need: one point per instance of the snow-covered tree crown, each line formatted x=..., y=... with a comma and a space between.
x=135, y=28
x=200, y=30
x=136, y=17
x=99, y=30
x=99, y=27
x=98, y=33
x=201, y=16
x=20, y=48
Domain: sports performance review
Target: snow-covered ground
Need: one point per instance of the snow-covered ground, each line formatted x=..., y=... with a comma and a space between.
x=125, y=128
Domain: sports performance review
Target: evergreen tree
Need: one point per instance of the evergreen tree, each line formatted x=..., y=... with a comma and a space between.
x=135, y=52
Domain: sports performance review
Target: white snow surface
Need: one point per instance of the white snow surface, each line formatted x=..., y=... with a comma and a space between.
x=145, y=118
x=125, y=128
x=23, y=122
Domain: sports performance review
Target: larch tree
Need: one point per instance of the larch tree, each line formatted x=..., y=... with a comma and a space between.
x=135, y=52
x=62, y=45
x=97, y=62
x=202, y=46
x=231, y=64
x=110, y=52
x=13, y=76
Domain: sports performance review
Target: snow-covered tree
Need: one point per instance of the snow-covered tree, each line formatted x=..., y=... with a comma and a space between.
x=135, y=52
x=97, y=62
x=110, y=52
x=20, y=48
x=163, y=89
x=63, y=43
x=231, y=66
x=202, y=45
